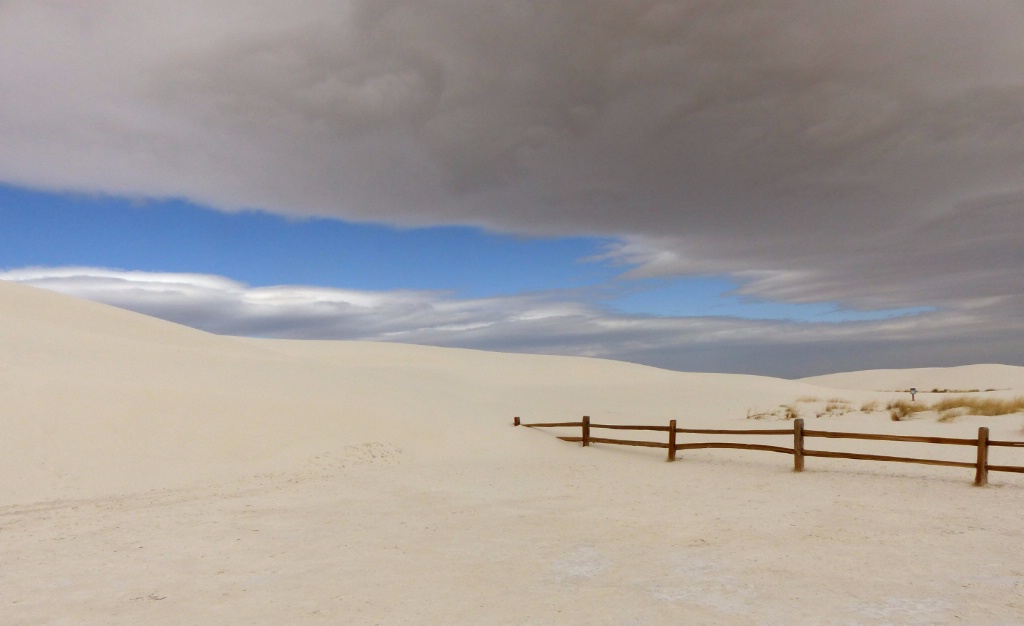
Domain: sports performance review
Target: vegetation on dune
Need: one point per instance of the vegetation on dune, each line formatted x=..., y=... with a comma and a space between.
x=951, y=408
x=948, y=409
x=937, y=390
x=783, y=411
x=869, y=407
x=902, y=409
x=834, y=407
x=792, y=411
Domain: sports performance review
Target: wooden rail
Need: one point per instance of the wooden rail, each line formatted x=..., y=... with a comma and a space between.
x=981, y=465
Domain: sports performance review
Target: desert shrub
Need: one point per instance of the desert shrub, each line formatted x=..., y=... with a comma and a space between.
x=835, y=406
x=808, y=399
x=981, y=406
x=783, y=411
x=950, y=415
x=951, y=408
x=901, y=409
x=869, y=407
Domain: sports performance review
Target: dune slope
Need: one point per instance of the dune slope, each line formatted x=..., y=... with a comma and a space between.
x=99, y=400
x=154, y=474
x=979, y=377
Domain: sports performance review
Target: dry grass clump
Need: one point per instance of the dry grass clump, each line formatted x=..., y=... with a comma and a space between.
x=901, y=409
x=783, y=411
x=948, y=409
x=950, y=415
x=951, y=408
x=869, y=407
x=981, y=406
x=938, y=390
x=834, y=407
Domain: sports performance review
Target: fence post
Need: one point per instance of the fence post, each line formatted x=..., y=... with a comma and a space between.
x=798, y=445
x=515, y=421
x=586, y=431
x=981, y=473
x=671, y=440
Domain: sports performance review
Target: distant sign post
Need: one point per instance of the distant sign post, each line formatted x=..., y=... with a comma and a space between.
x=913, y=392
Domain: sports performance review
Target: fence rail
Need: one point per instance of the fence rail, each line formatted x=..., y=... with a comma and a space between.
x=981, y=466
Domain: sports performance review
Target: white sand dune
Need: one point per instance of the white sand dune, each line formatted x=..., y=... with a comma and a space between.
x=155, y=474
x=99, y=400
x=946, y=379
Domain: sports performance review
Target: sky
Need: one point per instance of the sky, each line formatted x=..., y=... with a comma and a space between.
x=786, y=188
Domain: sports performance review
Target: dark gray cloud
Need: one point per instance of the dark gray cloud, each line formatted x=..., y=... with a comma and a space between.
x=869, y=153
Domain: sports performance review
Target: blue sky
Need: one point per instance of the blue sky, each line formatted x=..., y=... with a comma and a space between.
x=261, y=249
x=46, y=229
x=584, y=178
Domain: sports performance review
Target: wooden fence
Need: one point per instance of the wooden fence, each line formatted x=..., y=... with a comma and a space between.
x=981, y=466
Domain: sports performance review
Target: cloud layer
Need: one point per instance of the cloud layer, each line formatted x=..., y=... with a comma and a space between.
x=870, y=154
x=532, y=324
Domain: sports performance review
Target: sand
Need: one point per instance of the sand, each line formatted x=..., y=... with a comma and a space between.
x=155, y=474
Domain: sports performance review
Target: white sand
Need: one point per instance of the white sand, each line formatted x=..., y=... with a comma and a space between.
x=979, y=378
x=154, y=474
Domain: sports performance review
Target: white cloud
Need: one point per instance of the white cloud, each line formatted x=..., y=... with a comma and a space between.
x=535, y=324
